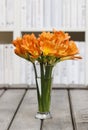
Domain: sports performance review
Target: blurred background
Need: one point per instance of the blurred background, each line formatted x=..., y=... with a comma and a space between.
x=18, y=17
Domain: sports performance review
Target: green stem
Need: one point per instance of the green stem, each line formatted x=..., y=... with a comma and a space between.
x=38, y=94
x=46, y=79
x=42, y=85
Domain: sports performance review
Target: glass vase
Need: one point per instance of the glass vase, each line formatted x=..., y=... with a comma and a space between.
x=43, y=77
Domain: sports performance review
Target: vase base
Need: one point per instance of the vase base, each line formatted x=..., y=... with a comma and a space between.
x=45, y=115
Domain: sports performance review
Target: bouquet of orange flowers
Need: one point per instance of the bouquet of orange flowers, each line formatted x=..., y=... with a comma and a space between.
x=47, y=49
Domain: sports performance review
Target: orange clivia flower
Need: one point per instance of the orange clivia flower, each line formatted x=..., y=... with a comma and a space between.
x=19, y=50
x=30, y=44
x=49, y=47
x=67, y=48
x=60, y=36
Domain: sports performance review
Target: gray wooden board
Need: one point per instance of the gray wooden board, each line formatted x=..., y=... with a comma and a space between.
x=60, y=111
x=3, y=85
x=77, y=86
x=79, y=101
x=8, y=105
x=18, y=86
x=1, y=91
x=25, y=118
x=59, y=86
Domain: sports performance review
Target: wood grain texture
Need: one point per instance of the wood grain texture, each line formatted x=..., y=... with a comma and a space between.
x=79, y=101
x=8, y=105
x=60, y=111
x=25, y=118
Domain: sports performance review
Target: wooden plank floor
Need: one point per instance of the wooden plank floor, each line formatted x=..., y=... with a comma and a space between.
x=18, y=107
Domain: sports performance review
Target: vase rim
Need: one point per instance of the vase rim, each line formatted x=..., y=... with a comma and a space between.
x=46, y=78
x=38, y=63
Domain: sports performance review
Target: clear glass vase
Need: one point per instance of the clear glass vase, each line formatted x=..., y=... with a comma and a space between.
x=43, y=77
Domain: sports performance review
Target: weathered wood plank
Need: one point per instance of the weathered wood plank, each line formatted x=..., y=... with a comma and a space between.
x=60, y=111
x=59, y=86
x=25, y=118
x=79, y=101
x=3, y=86
x=74, y=86
x=77, y=86
x=18, y=86
x=1, y=91
x=8, y=105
